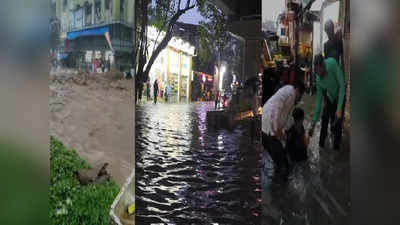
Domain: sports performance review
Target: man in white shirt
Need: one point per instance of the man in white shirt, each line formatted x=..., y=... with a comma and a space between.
x=275, y=113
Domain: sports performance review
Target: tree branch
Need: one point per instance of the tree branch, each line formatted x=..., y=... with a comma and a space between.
x=166, y=38
x=159, y=32
x=188, y=7
x=187, y=3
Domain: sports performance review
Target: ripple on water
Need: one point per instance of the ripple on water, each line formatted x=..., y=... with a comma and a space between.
x=190, y=175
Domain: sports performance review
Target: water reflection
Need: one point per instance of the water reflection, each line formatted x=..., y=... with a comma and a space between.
x=317, y=192
x=188, y=174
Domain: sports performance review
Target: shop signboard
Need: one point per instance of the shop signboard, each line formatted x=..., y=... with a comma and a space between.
x=181, y=45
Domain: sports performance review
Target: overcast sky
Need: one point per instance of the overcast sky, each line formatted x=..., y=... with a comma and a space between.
x=271, y=9
x=192, y=16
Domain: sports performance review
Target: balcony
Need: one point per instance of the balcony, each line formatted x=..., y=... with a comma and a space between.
x=92, y=15
x=100, y=24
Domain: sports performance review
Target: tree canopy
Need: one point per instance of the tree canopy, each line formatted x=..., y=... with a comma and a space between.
x=215, y=41
x=212, y=36
x=163, y=14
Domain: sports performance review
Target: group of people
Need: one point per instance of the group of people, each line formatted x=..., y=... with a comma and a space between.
x=156, y=89
x=291, y=145
x=100, y=63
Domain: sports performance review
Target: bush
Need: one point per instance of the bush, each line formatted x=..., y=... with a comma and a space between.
x=71, y=203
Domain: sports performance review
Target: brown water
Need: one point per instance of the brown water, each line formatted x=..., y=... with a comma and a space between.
x=189, y=174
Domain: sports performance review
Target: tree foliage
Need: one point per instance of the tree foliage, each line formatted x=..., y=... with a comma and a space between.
x=70, y=202
x=213, y=38
x=212, y=33
x=163, y=14
x=233, y=54
x=215, y=41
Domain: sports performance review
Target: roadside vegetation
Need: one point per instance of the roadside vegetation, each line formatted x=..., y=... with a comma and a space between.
x=70, y=202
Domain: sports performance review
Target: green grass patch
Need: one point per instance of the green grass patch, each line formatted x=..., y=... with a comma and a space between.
x=70, y=202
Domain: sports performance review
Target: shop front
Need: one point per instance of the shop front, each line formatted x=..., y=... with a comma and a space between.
x=172, y=68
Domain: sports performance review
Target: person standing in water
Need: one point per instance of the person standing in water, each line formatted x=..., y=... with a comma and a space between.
x=329, y=79
x=155, y=91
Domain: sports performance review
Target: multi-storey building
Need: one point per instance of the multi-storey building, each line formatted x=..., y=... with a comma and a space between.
x=96, y=28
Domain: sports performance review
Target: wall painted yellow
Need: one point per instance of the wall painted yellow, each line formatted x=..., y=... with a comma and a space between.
x=168, y=58
x=180, y=77
x=189, y=82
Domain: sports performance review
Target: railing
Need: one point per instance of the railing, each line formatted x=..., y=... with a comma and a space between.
x=103, y=23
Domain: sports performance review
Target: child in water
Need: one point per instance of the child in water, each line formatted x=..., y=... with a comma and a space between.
x=297, y=141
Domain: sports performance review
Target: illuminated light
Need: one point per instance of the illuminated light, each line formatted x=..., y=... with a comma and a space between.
x=153, y=34
x=221, y=78
x=210, y=79
x=204, y=78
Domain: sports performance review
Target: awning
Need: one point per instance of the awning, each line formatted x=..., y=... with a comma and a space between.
x=98, y=31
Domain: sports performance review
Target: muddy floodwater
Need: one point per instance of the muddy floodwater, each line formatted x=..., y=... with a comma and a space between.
x=187, y=173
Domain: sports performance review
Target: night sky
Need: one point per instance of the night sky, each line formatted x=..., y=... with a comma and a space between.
x=192, y=16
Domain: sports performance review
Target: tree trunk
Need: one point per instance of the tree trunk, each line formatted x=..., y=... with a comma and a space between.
x=154, y=55
x=143, y=73
x=164, y=41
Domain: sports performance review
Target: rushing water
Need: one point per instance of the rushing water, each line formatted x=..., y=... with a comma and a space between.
x=187, y=173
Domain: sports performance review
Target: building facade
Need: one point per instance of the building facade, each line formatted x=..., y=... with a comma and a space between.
x=173, y=66
x=96, y=28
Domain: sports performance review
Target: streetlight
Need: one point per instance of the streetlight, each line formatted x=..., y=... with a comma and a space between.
x=221, y=78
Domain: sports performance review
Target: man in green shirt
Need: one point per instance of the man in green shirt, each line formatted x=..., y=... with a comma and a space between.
x=329, y=79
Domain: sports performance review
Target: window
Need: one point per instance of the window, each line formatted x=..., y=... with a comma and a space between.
x=97, y=10
x=122, y=9
x=88, y=14
x=79, y=17
x=71, y=20
x=108, y=4
x=65, y=5
x=108, y=11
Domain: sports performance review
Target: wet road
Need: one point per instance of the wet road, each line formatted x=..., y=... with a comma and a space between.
x=317, y=192
x=189, y=174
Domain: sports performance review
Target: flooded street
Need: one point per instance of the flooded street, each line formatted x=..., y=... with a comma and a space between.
x=81, y=117
x=189, y=174
x=317, y=192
